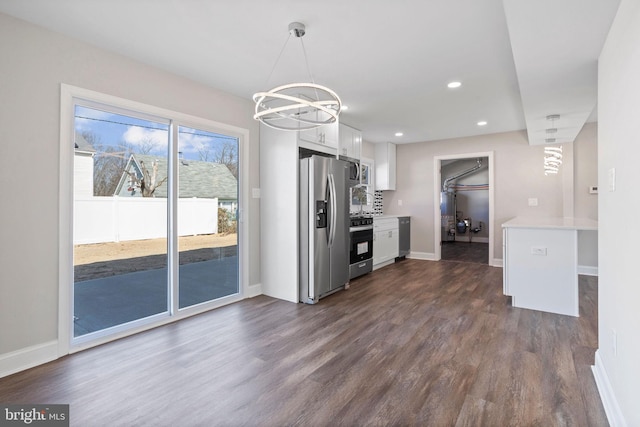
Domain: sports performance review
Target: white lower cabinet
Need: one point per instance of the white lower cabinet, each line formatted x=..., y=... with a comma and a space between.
x=385, y=240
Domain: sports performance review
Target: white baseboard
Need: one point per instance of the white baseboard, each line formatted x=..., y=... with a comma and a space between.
x=422, y=255
x=582, y=269
x=26, y=358
x=254, y=290
x=587, y=270
x=609, y=401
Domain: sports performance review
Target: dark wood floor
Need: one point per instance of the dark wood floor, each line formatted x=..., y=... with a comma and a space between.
x=465, y=252
x=415, y=343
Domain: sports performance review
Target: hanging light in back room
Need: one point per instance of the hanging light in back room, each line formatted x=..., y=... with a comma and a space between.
x=552, y=159
x=552, y=154
x=297, y=106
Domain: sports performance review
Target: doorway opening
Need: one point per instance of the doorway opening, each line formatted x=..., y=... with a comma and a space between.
x=464, y=208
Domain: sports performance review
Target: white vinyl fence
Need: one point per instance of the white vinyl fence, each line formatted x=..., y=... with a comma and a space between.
x=115, y=219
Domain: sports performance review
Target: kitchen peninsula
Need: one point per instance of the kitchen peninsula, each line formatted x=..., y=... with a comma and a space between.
x=541, y=262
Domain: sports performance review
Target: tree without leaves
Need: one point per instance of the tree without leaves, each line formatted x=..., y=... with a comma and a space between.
x=107, y=170
x=227, y=154
x=146, y=146
x=108, y=163
x=149, y=181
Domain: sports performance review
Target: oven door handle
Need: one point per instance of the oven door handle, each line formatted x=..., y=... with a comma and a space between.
x=362, y=228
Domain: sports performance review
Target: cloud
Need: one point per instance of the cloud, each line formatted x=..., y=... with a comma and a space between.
x=189, y=143
x=144, y=137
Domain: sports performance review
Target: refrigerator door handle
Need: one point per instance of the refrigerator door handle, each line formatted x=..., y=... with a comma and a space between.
x=334, y=207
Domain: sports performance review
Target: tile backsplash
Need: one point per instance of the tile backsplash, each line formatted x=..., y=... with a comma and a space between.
x=377, y=203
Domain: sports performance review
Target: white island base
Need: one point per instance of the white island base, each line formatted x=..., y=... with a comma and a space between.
x=541, y=263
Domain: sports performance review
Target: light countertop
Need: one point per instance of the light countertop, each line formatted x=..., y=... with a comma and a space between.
x=552, y=223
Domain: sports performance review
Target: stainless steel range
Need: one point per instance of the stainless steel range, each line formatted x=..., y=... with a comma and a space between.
x=360, y=246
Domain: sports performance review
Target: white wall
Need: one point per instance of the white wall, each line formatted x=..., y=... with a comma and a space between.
x=518, y=177
x=34, y=63
x=585, y=173
x=618, y=284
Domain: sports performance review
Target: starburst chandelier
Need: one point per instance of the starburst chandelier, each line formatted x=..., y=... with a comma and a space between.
x=297, y=106
x=552, y=160
x=552, y=154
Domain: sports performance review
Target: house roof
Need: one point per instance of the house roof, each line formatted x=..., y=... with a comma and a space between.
x=81, y=144
x=196, y=178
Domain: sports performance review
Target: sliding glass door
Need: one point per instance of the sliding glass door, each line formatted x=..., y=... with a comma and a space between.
x=207, y=208
x=154, y=218
x=120, y=219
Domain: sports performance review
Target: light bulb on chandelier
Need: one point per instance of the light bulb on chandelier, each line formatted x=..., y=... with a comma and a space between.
x=297, y=106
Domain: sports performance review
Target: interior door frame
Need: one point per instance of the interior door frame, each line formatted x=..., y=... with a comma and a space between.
x=437, y=179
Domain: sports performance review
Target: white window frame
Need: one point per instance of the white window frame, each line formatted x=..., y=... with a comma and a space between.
x=69, y=97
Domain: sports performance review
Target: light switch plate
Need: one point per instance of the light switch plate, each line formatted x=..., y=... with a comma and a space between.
x=533, y=201
x=255, y=193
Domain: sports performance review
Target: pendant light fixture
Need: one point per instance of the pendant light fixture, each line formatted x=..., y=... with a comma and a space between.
x=552, y=154
x=297, y=106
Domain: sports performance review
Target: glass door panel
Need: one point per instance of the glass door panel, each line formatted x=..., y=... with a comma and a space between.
x=206, y=212
x=120, y=219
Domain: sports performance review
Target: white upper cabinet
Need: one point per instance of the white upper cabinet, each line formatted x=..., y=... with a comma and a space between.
x=350, y=142
x=385, y=166
x=325, y=135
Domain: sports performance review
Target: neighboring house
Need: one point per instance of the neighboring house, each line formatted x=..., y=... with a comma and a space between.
x=82, y=167
x=205, y=180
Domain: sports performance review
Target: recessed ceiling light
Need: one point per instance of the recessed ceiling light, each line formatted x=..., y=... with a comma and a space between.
x=482, y=123
x=453, y=85
x=399, y=133
x=344, y=107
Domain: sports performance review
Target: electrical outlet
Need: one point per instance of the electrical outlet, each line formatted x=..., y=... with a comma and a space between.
x=255, y=193
x=399, y=202
x=533, y=201
x=593, y=189
x=538, y=250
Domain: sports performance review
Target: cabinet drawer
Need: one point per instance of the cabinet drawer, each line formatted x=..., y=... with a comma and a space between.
x=384, y=224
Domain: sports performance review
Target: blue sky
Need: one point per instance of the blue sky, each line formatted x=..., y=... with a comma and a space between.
x=122, y=131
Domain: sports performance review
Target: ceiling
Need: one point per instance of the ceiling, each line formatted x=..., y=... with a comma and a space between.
x=390, y=62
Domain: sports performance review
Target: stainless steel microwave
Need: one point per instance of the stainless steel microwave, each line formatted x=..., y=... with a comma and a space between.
x=354, y=171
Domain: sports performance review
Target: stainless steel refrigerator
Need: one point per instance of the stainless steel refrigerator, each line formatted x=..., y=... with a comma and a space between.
x=323, y=227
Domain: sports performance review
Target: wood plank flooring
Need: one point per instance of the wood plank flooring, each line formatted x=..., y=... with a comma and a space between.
x=415, y=343
x=465, y=252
